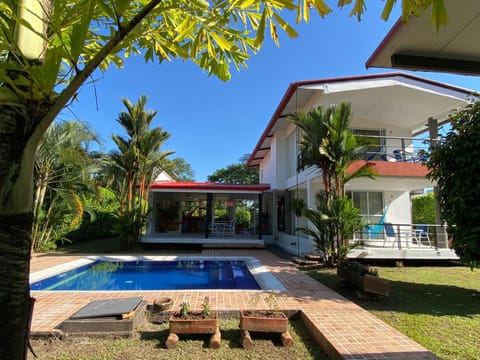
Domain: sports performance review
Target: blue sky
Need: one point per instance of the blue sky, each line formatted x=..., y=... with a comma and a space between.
x=212, y=123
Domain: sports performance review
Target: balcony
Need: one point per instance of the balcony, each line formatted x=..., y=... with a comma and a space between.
x=394, y=149
x=403, y=242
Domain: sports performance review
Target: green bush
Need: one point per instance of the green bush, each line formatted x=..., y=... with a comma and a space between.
x=423, y=209
x=243, y=216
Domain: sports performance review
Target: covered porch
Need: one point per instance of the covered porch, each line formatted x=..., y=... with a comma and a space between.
x=207, y=214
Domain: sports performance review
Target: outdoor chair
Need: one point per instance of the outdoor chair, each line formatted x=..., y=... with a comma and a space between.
x=421, y=235
x=229, y=229
x=398, y=155
x=390, y=233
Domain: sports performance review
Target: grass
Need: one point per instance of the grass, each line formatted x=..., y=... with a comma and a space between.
x=149, y=343
x=438, y=307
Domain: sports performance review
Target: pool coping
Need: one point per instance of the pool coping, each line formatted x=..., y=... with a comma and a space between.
x=264, y=278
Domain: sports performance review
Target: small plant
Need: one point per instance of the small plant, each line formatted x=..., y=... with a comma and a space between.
x=253, y=301
x=206, y=310
x=184, y=309
x=272, y=302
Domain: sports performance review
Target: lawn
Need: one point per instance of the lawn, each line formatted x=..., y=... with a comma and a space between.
x=149, y=343
x=437, y=306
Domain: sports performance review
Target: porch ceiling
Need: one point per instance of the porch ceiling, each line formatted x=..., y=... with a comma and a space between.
x=395, y=102
x=415, y=45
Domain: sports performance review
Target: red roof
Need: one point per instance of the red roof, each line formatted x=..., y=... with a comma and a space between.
x=209, y=186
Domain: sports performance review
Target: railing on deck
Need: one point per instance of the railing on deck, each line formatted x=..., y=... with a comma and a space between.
x=404, y=236
x=392, y=148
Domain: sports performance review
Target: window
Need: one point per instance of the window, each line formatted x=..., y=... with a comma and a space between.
x=370, y=204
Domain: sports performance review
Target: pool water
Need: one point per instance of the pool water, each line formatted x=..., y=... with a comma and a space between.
x=152, y=275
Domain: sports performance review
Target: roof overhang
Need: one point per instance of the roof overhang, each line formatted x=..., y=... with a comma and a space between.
x=416, y=45
x=391, y=99
x=208, y=187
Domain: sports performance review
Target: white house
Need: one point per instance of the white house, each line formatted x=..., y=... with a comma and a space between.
x=402, y=112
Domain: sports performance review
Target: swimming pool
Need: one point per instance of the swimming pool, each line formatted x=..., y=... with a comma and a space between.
x=156, y=273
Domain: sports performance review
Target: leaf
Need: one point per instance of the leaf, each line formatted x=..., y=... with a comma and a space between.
x=261, y=30
x=439, y=14
x=291, y=32
x=387, y=9
x=80, y=31
x=223, y=43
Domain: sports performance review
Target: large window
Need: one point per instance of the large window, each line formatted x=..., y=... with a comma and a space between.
x=370, y=204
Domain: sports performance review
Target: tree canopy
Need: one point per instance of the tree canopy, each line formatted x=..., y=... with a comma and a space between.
x=455, y=164
x=235, y=174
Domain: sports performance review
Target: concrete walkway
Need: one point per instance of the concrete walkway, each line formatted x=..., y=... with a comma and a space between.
x=344, y=330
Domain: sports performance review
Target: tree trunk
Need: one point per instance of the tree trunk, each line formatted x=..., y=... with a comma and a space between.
x=17, y=151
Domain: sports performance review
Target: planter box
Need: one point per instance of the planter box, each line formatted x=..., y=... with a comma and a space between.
x=368, y=283
x=265, y=323
x=179, y=325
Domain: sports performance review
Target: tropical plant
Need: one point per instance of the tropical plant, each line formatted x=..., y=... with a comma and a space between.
x=134, y=166
x=62, y=176
x=454, y=164
x=332, y=225
x=328, y=143
x=48, y=49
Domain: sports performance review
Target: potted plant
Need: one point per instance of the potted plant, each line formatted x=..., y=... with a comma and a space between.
x=363, y=277
x=191, y=322
x=272, y=320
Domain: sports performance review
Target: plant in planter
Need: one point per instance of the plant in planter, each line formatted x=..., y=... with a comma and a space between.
x=363, y=277
x=186, y=321
x=272, y=320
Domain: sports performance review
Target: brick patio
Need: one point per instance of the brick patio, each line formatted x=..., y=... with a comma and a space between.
x=344, y=330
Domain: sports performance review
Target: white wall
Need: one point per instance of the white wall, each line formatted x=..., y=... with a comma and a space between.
x=399, y=207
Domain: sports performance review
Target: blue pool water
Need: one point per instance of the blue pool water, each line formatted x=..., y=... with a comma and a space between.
x=152, y=275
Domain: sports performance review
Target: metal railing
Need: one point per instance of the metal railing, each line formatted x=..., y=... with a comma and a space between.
x=392, y=148
x=404, y=236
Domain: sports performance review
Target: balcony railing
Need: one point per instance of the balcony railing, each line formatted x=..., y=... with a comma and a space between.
x=404, y=236
x=392, y=148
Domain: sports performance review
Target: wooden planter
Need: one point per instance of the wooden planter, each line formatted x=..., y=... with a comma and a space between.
x=194, y=325
x=365, y=282
x=257, y=323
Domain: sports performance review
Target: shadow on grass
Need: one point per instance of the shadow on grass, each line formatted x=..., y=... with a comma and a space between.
x=411, y=298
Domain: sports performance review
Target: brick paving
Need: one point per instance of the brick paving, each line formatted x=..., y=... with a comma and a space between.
x=344, y=330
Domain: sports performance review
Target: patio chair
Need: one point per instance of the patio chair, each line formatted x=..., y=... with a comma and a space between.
x=398, y=155
x=375, y=231
x=421, y=235
x=390, y=233
x=229, y=229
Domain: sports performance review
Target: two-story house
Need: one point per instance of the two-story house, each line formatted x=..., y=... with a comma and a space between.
x=401, y=113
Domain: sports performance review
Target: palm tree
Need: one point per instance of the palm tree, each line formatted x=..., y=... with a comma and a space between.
x=62, y=172
x=328, y=143
x=132, y=168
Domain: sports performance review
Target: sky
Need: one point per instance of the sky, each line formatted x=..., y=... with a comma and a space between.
x=214, y=123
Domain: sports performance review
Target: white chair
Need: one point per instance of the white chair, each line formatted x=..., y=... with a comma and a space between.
x=229, y=229
x=421, y=235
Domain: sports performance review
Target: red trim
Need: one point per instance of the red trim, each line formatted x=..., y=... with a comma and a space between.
x=393, y=31
x=387, y=168
x=209, y=186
